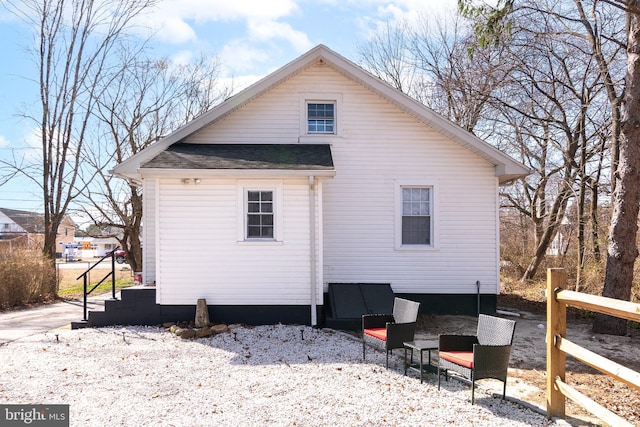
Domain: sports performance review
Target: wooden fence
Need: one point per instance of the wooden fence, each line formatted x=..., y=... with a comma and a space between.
x=558, y=346
x=22, y=241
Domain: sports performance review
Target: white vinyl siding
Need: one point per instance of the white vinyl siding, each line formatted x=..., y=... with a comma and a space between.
x=377, y=148
x=7, y=225
x=149, y=214
x=202, y=258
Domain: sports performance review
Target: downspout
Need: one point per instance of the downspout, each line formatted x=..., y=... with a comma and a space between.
x=312, y=247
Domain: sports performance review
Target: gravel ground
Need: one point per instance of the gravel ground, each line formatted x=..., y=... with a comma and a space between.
x=252, y=376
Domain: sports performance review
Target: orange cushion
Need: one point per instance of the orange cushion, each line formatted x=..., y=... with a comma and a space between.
x=380, y=333
x=463, y=358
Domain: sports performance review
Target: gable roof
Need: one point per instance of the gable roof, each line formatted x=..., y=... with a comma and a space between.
x=507, y=169
x=30, y=222
x=311, y=157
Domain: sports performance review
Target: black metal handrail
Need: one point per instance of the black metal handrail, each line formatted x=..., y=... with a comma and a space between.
x=112, y=273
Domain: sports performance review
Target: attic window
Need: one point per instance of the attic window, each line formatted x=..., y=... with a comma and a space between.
x=321, y=117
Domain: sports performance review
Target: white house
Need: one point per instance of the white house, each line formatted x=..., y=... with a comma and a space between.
x=26, y=229
x=95, y=247
x=320, y=173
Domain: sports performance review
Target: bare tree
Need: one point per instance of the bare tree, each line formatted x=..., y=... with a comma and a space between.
x=75, y=39
x=387, y=56
x=537, y=94
x=622, y=250
x=453, y=82
x=556, y=93
x=430, y=62
x=145, y=100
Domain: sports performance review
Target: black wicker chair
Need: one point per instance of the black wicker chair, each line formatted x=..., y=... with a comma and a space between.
x=485, y=355
x=389, y=331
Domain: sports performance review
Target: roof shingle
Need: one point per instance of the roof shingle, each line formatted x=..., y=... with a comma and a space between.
x=244, y=156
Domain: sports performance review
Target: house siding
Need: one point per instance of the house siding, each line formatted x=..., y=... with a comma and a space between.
x=202, y=257
x=378, y=147
x=149, y=213
x=8, y=226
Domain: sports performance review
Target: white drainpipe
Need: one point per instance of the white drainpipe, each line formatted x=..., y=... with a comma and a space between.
x=312, y=255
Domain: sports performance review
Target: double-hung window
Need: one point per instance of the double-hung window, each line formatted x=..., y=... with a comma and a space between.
x=260, y=215
x=416, y=216
x=321, y=118
x=260, y=207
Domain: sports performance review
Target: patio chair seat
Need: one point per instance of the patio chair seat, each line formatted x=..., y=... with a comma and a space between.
x=464, y=358
x=480, y=356
x=386, y=331
x=379, y=333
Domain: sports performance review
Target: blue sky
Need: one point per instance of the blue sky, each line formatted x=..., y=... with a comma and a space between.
x=251, y=38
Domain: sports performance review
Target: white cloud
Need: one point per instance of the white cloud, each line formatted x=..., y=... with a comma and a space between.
x=184, y=57
x=241, y=56
x=220, y=10
x=33, y=143
x=4, y=142
x=171, y=21
x=373, y=15
x=265, y=30
x=238, y=83
x=174, y=30
x=247, y=32
x=253, y=36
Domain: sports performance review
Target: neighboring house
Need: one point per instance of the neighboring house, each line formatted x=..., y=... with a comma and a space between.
x=27, y=229
x=95, y=247
x=319, y=173
x=560, y=243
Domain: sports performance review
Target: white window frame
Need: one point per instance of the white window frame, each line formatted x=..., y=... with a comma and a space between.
x=307, y=98
x=434, y=213
x=325, y=119
x=243, y=189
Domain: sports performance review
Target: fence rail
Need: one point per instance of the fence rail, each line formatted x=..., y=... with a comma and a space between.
x=558, y=346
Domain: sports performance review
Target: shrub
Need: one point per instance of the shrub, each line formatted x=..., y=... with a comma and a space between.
x=26, y=277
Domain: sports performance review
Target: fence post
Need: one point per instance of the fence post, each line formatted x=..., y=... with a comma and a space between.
x=556, y=325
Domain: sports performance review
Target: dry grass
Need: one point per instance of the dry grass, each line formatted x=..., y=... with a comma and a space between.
x=614, y=395
x=70, y=287
x=26, y=277
x=530, y=295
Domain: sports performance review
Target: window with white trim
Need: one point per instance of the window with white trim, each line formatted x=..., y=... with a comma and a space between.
x=417, y=224
x=260, y=214
x=321, y=118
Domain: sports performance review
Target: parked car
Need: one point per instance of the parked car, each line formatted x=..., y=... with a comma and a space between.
x=120, y=257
